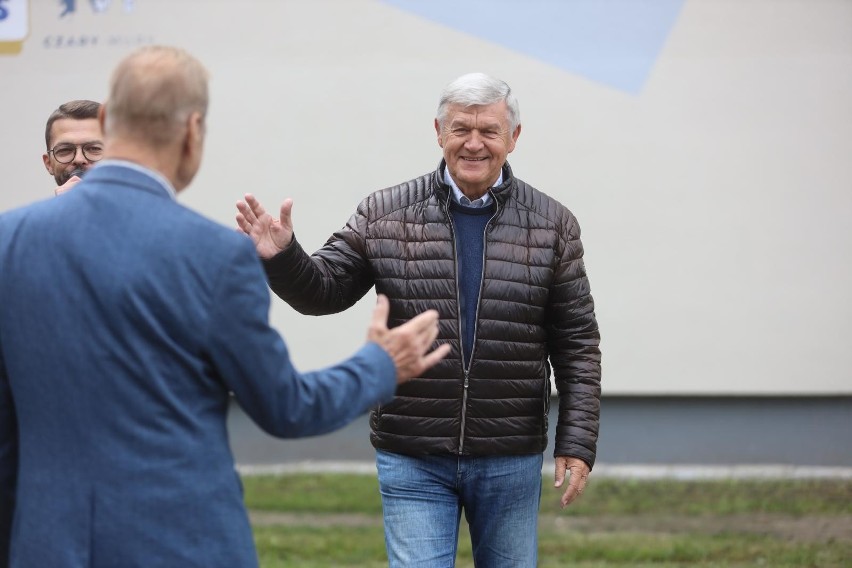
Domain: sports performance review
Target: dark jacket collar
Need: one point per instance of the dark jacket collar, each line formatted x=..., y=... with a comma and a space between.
x=500, y=192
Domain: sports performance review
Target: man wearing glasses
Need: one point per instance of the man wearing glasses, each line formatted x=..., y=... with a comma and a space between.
x=74, y=142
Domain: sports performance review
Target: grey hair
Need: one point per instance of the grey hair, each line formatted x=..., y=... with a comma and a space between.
x=478, y=89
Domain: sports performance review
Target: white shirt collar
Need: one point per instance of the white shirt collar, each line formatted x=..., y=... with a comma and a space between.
x=157, y=176
x=461, y=198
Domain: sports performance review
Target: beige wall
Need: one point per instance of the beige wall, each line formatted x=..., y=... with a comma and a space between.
x=715, y=203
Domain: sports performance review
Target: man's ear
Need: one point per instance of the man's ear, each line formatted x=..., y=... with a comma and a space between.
x=438, y=132
x=191, y=148
x=515, y=135
x=48, y=166
x=102, y=117
x=194, y=141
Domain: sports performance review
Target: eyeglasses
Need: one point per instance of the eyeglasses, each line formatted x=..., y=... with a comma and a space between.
x=65, y=153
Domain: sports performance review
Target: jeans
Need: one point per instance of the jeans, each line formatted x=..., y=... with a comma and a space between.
x=423, y=497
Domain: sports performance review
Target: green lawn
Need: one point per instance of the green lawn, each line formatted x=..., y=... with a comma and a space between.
x=328, y=520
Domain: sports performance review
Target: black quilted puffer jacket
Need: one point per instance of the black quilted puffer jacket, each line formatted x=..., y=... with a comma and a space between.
x=534, y=306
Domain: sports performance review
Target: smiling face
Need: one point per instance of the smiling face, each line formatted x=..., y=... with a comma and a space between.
x=476, y=141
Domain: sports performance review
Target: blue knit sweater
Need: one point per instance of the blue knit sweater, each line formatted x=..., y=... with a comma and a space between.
x=469, y=225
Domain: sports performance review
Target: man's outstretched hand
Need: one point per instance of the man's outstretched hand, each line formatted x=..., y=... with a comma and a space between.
x=408, y=343
x=270, y=235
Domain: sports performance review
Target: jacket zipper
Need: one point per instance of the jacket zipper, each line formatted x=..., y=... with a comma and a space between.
x=466, y=365
x=458, y=302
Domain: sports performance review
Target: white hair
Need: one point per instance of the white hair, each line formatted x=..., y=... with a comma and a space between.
x=479, y=89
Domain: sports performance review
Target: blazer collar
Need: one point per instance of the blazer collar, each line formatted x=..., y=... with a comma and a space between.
x=124, y=172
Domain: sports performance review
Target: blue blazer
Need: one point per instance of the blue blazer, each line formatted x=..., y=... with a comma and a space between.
x=126, y=320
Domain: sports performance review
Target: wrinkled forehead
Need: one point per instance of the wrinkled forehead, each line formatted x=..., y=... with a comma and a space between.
x=495, y=114
x=75, y=131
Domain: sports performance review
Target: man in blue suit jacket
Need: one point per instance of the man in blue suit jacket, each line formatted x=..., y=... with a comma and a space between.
x=126, y=320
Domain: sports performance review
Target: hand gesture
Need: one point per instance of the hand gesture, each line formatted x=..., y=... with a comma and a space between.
x=270, y=236
x=408, y=343
x=578, y=472
x=72, y=181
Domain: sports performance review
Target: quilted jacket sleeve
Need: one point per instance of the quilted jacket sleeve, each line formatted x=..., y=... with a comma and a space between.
x=331, y=280
x=575, y=355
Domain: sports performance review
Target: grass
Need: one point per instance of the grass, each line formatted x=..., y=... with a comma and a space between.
x=335, y=520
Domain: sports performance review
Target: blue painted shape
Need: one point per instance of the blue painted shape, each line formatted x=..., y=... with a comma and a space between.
x=614, y=42
x=68, y=7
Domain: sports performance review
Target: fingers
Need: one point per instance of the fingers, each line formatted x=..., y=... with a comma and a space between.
x=576, y=485
x=569, y=496
x=246, y=212
x=559, y=478
x=436, y=355
x=421, y=331
x=250, y=211
x=379, y=321
x=424, y=322
x=424, y=328
x=270, y=235
x=409, y=343
x=578, y=473
x=286, y=213
x=246, y=217
x=72, y=181
x=243, y=223
x=254, y=207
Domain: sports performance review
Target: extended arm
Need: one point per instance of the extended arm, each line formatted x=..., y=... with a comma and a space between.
x=331, y=280
x=254, y=362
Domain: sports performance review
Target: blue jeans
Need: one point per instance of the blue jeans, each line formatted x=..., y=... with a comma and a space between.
x=423, y=497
